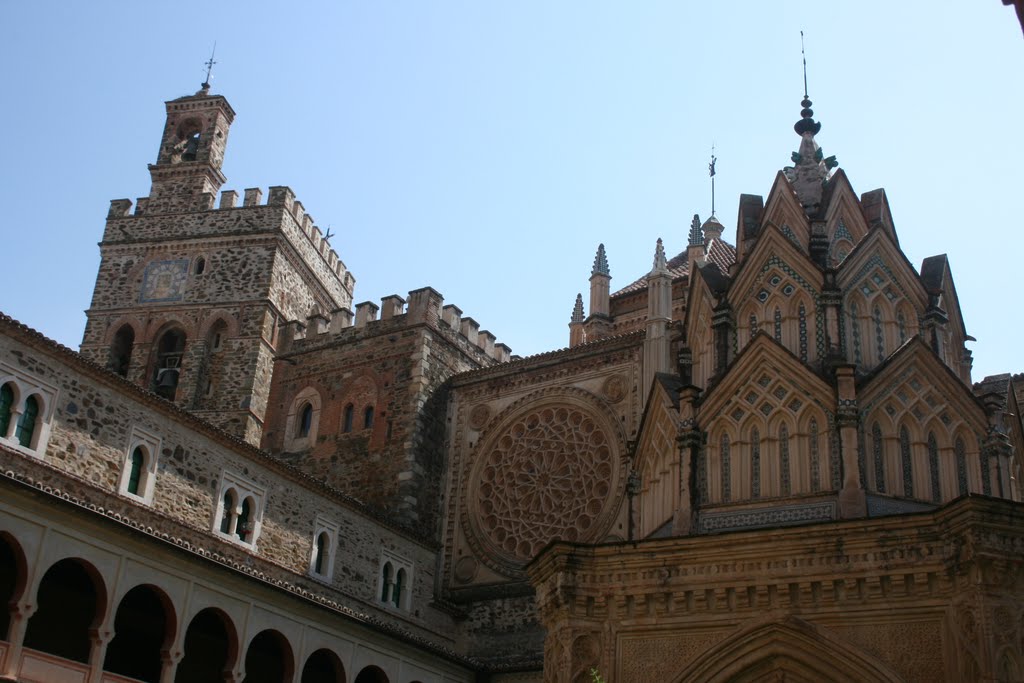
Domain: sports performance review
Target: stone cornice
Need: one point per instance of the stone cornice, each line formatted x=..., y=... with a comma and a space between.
x=601, y=347
x=874, y=556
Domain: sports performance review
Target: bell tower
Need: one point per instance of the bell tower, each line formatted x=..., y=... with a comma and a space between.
x=189, y=298
x=187, y=175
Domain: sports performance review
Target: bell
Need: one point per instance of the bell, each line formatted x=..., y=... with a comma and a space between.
x=168, y=378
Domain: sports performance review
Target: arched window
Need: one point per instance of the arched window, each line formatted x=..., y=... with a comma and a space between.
x=385, y=582
x=368, y=417
x=6, y=405
x=396, y=593
x=876, y=313
x=726, y=469
x=170, y=350
x=815, y=453
x=135, y=476
x=243, y=528
x=191, y=148
x=305, y=420
x=346, y=424
x=121, y=350
x=961, y=466
x=229, y=510
x=784, y=460
x=876, y=450
x=321, y=551
x=755, y=463
x=200, y=265
x=906, y=463
x=27, y=423
x=933, y=468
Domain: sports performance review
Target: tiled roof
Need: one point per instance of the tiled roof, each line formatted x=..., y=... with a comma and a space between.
x=721, y=253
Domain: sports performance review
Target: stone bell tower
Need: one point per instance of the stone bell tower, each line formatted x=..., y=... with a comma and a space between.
x=187, y=172
x=190, y=297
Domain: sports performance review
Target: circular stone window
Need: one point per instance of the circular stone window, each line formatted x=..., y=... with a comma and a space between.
x=546, y=472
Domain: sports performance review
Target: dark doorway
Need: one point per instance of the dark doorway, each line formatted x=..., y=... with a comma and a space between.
x=209, y=649
x=141, y=625
x=323, y=666
x=268, y=659
x=68, y=600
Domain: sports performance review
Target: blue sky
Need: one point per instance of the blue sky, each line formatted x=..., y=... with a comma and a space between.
x=485, y=148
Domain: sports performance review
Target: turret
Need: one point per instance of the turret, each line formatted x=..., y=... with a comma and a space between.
x=659, y=316
x=187, y=175
x=577, y=335
x=599, y=323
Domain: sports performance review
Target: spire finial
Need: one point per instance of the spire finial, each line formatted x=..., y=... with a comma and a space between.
x=577, y=310
x=806, y=124
x=209, y=66
x=696, y=235
x=804, y=55
x=600, y=262
x=660, y=262
x=711, y=172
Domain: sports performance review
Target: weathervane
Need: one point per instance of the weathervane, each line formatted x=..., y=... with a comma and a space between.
x=328, y=234
x=209, y=66
x=804, y=56
x=711, y=171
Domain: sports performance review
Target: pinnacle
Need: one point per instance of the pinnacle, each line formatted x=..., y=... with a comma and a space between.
x=577, y=310
x=696, y=234
x=600, y=262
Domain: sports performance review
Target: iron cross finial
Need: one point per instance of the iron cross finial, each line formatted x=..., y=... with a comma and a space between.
x=209, y=66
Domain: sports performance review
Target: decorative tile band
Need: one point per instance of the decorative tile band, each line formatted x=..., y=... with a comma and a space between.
x=787, y=515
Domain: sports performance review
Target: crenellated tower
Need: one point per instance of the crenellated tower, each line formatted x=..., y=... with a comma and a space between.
x=189, y=298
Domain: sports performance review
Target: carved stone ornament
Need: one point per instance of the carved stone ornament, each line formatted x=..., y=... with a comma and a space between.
x=615, y=388
x=479, y=416
x=547, y=470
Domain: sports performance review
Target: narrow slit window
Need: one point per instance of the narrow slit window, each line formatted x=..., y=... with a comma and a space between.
x=135, y=476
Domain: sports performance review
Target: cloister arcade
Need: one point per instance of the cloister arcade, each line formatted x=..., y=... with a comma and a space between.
x=71, y=618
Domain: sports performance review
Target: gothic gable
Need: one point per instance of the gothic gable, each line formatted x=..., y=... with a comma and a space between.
x=950, y=334
x=697, y=328
x=778, y=291
x=767, y=423
x=657, y=457
x=784, y=210
x=844, y=220
x=921, y=429
x=883, y=300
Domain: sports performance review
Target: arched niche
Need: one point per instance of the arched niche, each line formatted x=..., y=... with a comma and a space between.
x=71, y=599
x=323, y=666
x=144, y=626
x=211, y=648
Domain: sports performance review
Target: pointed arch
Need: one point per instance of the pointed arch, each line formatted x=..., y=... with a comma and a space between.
x=794, y=646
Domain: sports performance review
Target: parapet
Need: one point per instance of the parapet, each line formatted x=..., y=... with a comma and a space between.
x=278, y=195
x=422, y=307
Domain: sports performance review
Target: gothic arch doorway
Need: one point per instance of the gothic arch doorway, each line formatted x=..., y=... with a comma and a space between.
x=794, y=651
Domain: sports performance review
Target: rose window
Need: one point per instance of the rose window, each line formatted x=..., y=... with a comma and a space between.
x=546, y=475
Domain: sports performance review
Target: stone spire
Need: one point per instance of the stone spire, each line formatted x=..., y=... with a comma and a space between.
x=600, y=279
x=660, y=262
x=600, y=262
x=577, y=332
x=712, y=230
x=811, y=169
x=659, y=317
x=696, y=234
x=577, y=310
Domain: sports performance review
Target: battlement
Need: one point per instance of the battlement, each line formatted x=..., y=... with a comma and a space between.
x=423, y=306
x=301, y=228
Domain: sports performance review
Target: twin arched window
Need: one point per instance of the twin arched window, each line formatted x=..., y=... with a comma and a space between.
x=238, y=520
x=26, y=421
x=394, y=585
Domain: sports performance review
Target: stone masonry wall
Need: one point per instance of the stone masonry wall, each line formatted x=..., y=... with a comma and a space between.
x=90, y=430
x=397, y=366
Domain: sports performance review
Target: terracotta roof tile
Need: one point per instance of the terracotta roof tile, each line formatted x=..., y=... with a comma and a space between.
x=721, y=253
